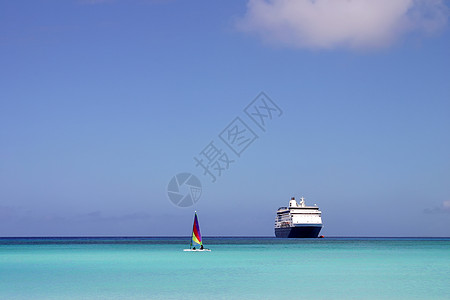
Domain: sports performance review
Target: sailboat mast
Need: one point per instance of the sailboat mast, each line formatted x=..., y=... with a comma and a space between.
x=193, y=228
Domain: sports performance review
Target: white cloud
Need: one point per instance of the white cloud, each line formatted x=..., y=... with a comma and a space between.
x=341, y=23
x=443, y=208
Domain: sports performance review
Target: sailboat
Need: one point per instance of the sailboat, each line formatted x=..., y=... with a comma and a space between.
x=196, y=241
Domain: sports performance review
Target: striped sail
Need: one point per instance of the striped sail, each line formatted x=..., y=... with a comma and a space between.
x=196, y=235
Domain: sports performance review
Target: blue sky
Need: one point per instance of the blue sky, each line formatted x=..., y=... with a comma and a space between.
x=102, y=102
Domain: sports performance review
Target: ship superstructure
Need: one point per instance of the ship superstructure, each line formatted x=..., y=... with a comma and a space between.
x=298, y=220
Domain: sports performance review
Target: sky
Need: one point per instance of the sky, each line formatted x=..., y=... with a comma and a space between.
x=103, y=102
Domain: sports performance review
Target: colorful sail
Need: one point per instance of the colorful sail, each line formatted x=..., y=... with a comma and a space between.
x=196, y=235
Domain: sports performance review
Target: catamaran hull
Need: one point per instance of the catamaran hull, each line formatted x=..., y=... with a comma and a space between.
x=197, y=250
x=298, y=232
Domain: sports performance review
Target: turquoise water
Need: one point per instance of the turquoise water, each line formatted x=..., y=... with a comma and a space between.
x=237, y=268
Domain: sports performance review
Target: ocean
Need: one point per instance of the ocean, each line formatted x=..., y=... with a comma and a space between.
x=236, y=268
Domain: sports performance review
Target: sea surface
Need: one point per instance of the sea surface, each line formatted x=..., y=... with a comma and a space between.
x=236, y=268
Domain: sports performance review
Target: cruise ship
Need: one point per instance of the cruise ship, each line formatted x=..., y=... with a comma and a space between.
x=298, y=220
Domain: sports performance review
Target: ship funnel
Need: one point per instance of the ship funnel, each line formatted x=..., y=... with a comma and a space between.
x=293, y=203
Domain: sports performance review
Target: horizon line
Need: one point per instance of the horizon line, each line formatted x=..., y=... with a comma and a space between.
x=208, y=236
